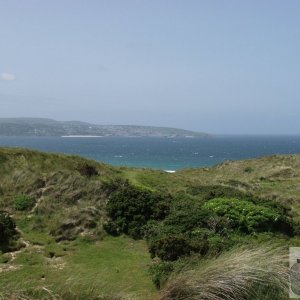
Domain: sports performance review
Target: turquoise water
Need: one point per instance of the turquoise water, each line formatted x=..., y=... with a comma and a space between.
x=162, y=153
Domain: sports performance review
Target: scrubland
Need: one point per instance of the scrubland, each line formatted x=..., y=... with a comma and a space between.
x=72, y=228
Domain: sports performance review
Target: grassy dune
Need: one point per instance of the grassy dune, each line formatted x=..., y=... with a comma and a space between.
x=62, y=251
x=81, y=269
x=274, y=177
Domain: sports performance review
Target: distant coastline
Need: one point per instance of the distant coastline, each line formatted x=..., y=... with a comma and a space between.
x=39, y=127
x=82, y=136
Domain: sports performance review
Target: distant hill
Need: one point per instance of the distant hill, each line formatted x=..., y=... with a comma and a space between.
x=49, y=127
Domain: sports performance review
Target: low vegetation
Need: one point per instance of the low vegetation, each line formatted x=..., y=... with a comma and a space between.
x=248, y=217
x=8, y=232
x=24, y=202
x=130, y=208
x=72, y=228
x=242, y=273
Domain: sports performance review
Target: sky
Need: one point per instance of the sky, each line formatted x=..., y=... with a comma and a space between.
x=226, y=66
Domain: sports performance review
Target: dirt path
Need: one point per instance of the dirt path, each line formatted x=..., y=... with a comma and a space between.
x=14, y=254
x=39, y=200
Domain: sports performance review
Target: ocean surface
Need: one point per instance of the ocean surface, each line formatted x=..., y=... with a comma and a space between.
x=162, y=153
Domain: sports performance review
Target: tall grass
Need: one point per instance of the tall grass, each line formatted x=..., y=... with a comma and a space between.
x=240, y=274
x=64, y=293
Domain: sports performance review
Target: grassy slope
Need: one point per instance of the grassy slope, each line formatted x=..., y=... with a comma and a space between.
x=109, y=265
x=275, y=177
x=113, y=266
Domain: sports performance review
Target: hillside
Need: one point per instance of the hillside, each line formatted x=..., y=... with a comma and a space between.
x=48, y=127
x=87, y=230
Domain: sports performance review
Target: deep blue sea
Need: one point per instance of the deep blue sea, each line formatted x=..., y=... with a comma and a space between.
x=162, y=153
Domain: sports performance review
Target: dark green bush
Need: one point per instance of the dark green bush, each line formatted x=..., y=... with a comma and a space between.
x=187, y=229
x=188, y=217
x=217, y=225
x=112, y=228
x=3, y=158
x=248, y=170
x=160, y=272
x=24, y=202
x=7, y=230
x=218, y=243
x=171, y=247
x=130, y=208
x=87, y=170
x=184, y=226
x=168, y=243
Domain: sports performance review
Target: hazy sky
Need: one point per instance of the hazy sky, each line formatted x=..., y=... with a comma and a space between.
x=227, y=66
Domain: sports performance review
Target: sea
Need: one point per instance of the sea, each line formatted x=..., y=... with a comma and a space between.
x=168, y=154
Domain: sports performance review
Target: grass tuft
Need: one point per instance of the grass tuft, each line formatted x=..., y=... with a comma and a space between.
x=239, y=274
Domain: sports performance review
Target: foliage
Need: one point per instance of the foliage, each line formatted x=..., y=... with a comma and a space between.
x=160, y=272
x=175, y=237
x=207, y=192
x=87, y=170
x=187, y=217
x=3, y=158
x=7, y=230
x=248, y=169
x=24, y=202
x=88, y=271
x=199, y=233
x=248, y=217
x=240, y=274
x=210, y=192
x=171, y=247
x=130, y=208
x=212, y=227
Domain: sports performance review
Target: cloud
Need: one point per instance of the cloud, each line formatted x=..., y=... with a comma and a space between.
x=7, y=76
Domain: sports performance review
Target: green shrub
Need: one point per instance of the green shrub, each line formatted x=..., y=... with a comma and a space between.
x=189, y=228
x=171, y=247
x=3, y=158
x=217, y=225
x=87, y=170
x=249, y=217
x=207, y=192
x=218, y=243
x=112, y=228
x=160, y=272
x=185, y=218
x=7, y=230
x=130, y=208
x=248, y=170
x=24, y=202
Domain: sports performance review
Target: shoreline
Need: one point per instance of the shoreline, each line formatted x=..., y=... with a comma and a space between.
x=82, y=136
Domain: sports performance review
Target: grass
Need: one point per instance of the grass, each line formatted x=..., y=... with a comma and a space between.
x=97, y=265
x=240, y=274
x=273, y=177
x=113, y=266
